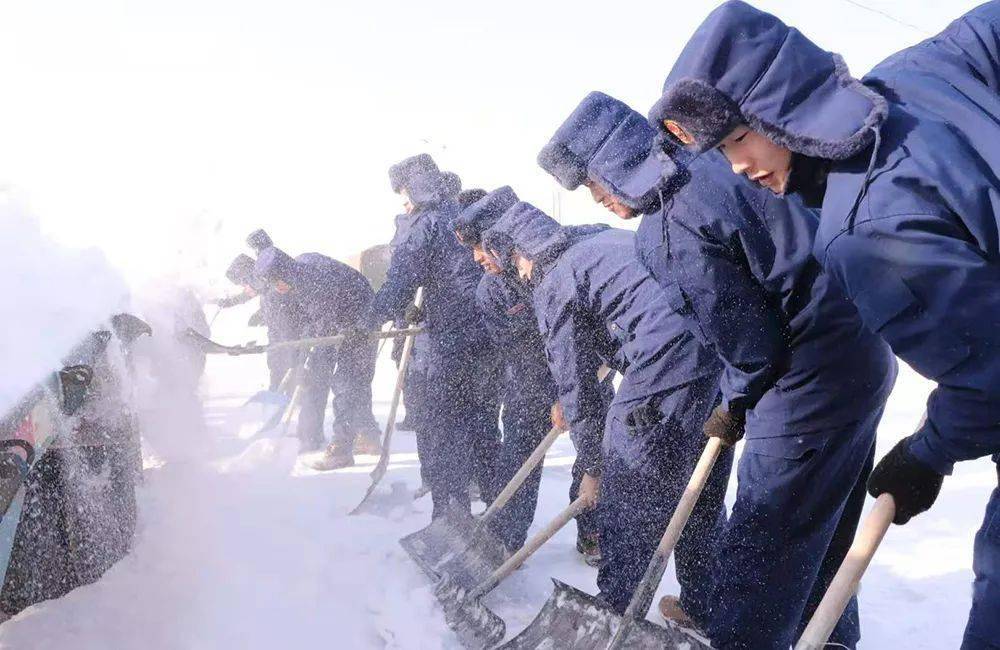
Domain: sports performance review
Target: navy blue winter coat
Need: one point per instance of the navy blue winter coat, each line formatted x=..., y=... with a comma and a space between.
x=736, y=261
x=909, y=222
x=920, y=251
x=329, y=295
x=505, y=303
x=280, y=315
x=510, y=319
x=419, y=354
x=427, y=254
x=739, y=261
x=594, y=301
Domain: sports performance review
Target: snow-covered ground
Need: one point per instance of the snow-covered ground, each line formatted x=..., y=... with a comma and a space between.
x=240, y=546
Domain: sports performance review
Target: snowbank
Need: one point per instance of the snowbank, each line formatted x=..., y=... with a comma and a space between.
x=53, y=297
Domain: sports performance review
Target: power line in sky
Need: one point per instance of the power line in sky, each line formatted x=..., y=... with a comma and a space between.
x=887, y=15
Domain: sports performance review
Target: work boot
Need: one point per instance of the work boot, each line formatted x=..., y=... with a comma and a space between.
x=335, y=457
x=590, y=548
x=367, y=445
x=670, y=610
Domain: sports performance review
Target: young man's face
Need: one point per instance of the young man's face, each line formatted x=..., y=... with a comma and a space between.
x=758, y=158
x=407, y=203
x=605, y=198
x=524, y=266
x=249, y=290
x=486, y=260
x=282, y=287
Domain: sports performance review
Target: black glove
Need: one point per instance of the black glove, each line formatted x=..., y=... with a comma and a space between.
x=725, y=425
x=397, y=350
x=643, y=417
x=414, y=315
x=75, y=382
x=913, y=485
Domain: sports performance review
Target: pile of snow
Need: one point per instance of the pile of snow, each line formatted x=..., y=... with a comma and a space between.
x=52, y=297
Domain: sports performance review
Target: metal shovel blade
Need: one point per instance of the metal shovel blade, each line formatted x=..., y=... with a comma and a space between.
x=272, y=405
x=644, y=634
x=569, y=619
x=572, y=620
x=444, y=538
x=482, y=554
x=476, y=626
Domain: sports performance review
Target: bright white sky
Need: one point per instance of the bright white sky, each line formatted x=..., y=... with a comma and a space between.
x=163, y=132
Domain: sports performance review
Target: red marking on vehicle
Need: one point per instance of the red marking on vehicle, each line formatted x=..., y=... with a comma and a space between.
x=25, y=431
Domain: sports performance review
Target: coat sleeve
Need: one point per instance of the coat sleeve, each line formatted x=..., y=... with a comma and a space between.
x=727, y=310
x=935, y=299
x=571, y=353
x=977, y=36
x=491, y=305
x=234, y=300
x=409, y=268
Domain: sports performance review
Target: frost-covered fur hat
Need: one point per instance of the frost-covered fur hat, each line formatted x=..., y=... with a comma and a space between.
x=744, y=66
x=480, y=216
x=420, y=177
x=451, y=183
x=625, y=165
x=468, y=197
x=575, y=142
x=527, y=230
x=274, y=264
x=258, y=240
x=241, y=270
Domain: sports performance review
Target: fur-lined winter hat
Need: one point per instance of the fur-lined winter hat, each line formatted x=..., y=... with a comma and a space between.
x=258, y=240
x=468, y=197
x=420, y=177
x=525, y=229
x=241, y=270
x=451, y=184
x=483, y=214
x=275, y=264
x=405, y=170
x=744, y=66
x=568, y=153
x=625, y=165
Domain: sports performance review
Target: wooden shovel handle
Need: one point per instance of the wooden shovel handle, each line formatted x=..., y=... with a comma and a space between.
x=337, y=339
x=518, y=479
x=643, y=595
x=532, y=545
x=397, y=391
x=529, y=465
x=383, y=462
x=845, y=583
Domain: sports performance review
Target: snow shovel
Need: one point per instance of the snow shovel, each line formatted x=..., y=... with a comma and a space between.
x=274, y=404
x=845, y=583
x=460, y=545
x=383, y=462
x=574, y=619
x=463, y=546
x=461, y=594
x=291, y=383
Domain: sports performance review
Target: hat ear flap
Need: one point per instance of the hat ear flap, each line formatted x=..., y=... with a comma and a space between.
x=699, y=113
